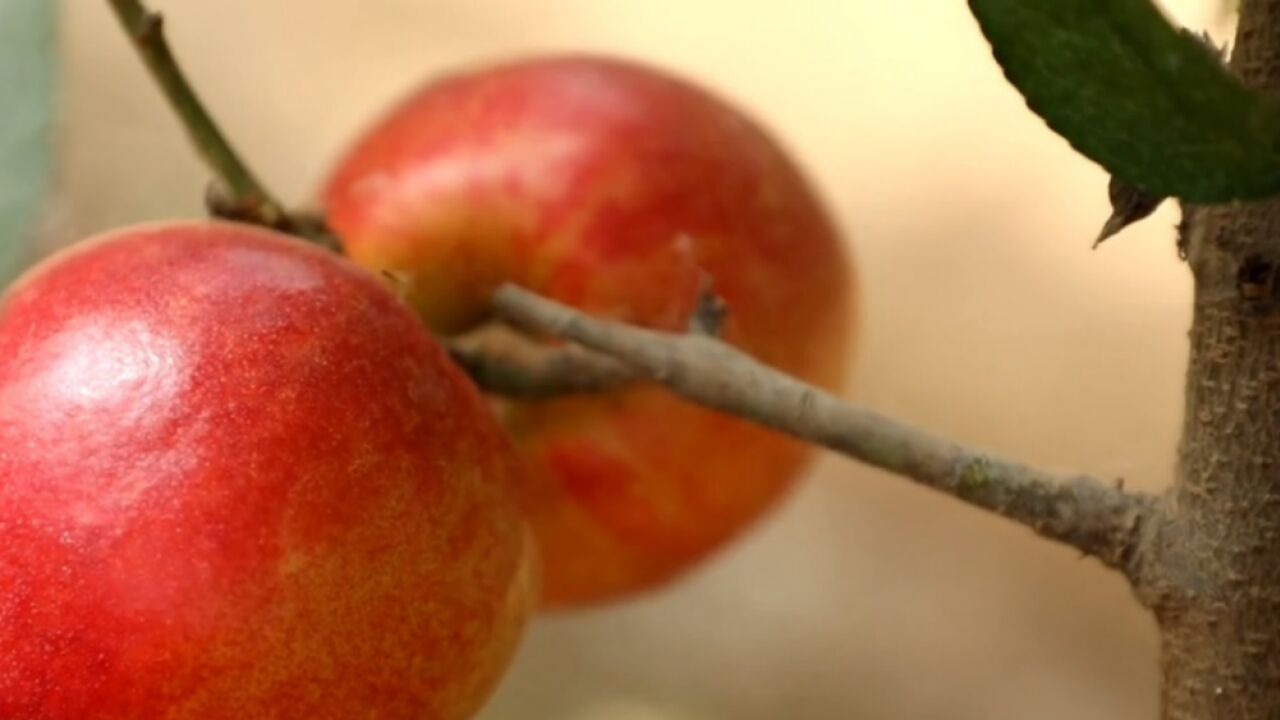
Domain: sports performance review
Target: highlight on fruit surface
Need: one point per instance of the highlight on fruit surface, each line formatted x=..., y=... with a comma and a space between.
x=239, y=480
x=618, y=189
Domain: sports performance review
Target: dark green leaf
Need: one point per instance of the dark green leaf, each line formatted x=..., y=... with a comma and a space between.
x=1150, y=103
x=26, y=110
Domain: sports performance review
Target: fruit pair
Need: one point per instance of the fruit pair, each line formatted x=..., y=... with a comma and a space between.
x=239, y=479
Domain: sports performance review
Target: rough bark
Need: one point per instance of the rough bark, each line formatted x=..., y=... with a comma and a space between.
x=1211, y=571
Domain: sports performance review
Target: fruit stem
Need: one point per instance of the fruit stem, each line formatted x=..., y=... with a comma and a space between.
x=237, y=194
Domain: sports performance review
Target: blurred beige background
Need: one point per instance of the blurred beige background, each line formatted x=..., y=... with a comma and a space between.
x=986, y=317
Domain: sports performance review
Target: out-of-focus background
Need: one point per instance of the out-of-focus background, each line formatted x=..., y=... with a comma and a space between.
x=985, y=316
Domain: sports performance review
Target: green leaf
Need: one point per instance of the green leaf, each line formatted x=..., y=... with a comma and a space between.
x=27, y=68
x=1149, y=102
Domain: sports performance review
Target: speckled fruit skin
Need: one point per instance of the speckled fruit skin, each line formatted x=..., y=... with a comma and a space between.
x=239, y=481
x=609, y=186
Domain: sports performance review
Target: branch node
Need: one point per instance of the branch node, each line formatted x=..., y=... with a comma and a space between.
x=516, y=366
x=149, y=29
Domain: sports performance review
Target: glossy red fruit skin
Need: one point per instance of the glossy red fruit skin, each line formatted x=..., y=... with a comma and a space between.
x=238, y=480
x=615, y=188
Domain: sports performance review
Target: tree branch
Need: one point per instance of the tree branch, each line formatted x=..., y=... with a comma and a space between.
x=236, y=193
x=1085, y=513
x=515, y=367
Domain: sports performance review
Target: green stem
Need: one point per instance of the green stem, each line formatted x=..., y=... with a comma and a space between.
x=240, y=195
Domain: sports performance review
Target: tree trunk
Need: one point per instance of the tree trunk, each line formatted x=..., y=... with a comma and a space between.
x=1211, y=566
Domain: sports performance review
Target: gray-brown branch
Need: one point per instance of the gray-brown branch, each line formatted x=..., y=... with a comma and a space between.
x=516, y=367
x=1097, y=518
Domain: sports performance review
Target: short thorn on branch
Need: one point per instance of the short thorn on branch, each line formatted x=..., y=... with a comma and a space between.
x=1093, y=516
x=710, y=311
